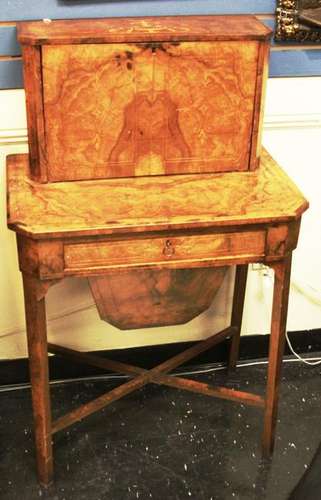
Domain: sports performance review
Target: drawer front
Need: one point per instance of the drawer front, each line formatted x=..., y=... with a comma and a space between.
x=146, y=252
x=123, y=110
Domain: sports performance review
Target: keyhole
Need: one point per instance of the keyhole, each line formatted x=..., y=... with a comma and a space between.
x=168, y=250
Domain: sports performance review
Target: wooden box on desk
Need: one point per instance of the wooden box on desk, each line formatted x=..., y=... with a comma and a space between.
x=143, y=96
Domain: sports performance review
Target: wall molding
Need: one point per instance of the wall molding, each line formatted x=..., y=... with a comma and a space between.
x=307, y=120
x=13, y=136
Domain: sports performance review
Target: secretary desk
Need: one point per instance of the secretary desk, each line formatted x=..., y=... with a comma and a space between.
x=145, y=175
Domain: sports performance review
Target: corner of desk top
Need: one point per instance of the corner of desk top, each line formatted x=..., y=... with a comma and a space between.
x=15, y=159
x=268, y=160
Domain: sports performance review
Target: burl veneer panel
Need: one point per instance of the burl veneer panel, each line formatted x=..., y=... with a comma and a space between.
x=149, y=203
x=146, y=298
x=122, y=110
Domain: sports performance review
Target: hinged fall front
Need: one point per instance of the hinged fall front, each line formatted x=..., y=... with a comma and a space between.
x=134, y=97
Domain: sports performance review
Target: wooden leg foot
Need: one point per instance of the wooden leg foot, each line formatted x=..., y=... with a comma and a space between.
x=237, y=313
x=282, y=271
x=35, y=313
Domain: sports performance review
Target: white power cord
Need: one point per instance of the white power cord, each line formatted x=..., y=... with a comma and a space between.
x=308, y=292
x=317, y=361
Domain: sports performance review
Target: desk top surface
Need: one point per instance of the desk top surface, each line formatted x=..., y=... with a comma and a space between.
x=83, y=208
x=142, y=29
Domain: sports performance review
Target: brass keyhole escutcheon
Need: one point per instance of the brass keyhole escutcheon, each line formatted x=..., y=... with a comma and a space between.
x=168, y=250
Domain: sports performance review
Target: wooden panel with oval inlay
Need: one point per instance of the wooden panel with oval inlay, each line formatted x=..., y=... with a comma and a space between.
x=123, y=110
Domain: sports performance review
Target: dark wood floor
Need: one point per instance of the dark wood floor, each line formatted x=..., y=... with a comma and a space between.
x=165, y=444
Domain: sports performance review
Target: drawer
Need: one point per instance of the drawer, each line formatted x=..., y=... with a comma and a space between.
x=201, y=249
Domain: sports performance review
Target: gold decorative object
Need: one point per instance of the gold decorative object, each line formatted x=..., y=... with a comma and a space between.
x=298, y=20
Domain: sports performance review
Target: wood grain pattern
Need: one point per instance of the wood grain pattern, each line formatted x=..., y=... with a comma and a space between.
x=257, y=126
x=149, y=204
x=286, y=63
x=140, y=299
x=280, y=239
x=35, y=313
x=41, y=258
x=282, y=273
x=141, y=29
x=144, y=96
x=122, y=110
x=32, y=76
x=132, y=252
x=182, y=97
x=237, y=312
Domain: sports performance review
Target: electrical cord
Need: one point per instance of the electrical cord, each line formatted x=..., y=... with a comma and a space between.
x=304, y=290
x=316, y=361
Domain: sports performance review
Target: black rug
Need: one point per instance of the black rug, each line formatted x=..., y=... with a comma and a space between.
x=163, y=444
x=309, y=486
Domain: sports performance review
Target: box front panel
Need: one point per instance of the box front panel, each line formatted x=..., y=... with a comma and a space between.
x=122, y=110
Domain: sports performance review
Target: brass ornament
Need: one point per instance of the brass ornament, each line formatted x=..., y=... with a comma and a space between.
x=290, y=22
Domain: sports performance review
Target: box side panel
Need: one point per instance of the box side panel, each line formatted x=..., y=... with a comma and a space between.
x=262, y=75
x=32, y=75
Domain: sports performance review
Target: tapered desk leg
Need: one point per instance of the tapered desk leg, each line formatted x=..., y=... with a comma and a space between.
x=282, y=271
x=34, y=293
x=237, y=312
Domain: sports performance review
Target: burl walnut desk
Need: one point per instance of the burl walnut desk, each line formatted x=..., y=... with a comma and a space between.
x=145, y=175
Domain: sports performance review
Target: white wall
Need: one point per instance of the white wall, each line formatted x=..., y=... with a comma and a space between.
x=293, y=136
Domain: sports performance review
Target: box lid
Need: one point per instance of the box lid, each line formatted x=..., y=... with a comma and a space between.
x=142, y=29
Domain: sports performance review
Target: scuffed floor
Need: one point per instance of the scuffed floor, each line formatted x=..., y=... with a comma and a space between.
x=166, y=444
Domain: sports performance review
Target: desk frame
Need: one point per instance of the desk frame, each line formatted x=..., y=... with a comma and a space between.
x=35, y=290
x=256, y=221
